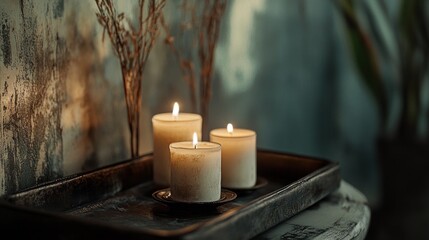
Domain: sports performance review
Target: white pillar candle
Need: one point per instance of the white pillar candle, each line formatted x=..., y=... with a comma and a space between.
x=238, y=156
x=168, y=128
x=195, y=171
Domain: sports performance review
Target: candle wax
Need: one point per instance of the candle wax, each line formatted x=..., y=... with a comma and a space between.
x=168, y=129
x=195, y=172
x=238, y=157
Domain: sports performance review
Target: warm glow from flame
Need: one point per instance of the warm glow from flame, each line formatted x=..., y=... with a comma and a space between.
x=229, y=128
x=176, y=110
x=195, y=140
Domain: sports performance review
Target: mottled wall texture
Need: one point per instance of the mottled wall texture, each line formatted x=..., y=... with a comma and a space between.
x=32, y=94
x=281, y=69
x=58, y=109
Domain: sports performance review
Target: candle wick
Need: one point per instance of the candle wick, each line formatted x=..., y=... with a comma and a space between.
x=195, y=146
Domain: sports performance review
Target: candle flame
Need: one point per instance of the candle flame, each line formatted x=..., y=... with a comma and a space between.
x=175, y=109
x=229, y=128
x=195, y=140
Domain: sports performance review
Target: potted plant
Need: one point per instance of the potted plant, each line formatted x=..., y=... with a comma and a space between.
x=398, y=44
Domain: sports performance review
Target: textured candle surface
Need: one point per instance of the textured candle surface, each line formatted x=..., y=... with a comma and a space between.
x=168, y=129
x=195, y=172
x=238, y=157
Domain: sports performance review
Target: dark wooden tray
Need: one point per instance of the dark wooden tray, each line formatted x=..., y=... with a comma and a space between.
x=115, y=202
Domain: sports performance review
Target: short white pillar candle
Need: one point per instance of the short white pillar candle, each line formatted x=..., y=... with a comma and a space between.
x=238, y=156
x=168, y=128
x=195, y=171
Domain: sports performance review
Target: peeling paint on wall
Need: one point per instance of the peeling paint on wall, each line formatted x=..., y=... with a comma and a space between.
x=5, y=47
x=58, y=8
x=61, y=111
x=31, y=97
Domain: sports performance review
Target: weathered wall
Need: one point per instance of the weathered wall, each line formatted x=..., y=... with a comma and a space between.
x=57, y=106
x=32, y=92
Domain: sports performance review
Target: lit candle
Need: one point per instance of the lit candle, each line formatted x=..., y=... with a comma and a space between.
x=168, y=128
x=238, y=156
x=195, y=171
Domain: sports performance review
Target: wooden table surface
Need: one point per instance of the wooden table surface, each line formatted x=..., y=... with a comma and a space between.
x=344, y=214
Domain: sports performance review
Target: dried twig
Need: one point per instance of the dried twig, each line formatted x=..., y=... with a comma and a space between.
x=208, y=36
x=132, y=46
x=180, y=51
x=204, y=21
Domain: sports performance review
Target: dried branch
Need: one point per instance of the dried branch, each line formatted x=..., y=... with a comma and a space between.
x=208, y=37
x=132, y=46
x=204, y=25
x=187, y=67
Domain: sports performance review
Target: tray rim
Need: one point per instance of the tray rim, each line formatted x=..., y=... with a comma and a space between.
x=143, y=157
x=184, y=232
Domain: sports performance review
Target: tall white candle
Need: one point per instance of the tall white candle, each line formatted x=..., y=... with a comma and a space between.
x=168, y=128
x=238, y=156
x=195, y=171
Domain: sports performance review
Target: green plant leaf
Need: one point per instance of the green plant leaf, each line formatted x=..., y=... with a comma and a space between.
x=382, y=28
x=364, y=56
